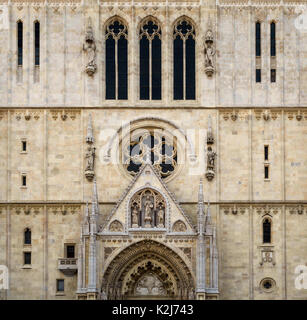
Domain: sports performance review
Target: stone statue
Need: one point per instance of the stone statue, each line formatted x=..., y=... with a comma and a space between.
x=210, y=158
x=90, y=156
x=209, y=53
x=90, y=48
x=148, y=209
x=135, y=218
x=160, y=217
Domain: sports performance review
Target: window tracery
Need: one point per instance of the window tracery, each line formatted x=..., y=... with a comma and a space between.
x=116, y=60
x=184, y=60
x=162, y=149
x=150, y=59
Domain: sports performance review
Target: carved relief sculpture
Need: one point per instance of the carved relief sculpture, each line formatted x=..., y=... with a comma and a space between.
x=116, y=226
x=135, y=218
x=147, y=209
x=90, y=48
x=179, y=226
x=160, y=216
x=209, y=53
x=90, y=157
x=148, y=212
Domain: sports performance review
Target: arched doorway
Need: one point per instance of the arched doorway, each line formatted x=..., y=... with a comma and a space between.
x=148, y=270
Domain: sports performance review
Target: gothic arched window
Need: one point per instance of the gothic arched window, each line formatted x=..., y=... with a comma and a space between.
x=19, y=42
x=150, y=60
x=267, y=230
x=27, y=236
x=184, y=60
x=116, y=60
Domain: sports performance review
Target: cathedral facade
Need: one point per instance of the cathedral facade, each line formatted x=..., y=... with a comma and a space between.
x=153, y=150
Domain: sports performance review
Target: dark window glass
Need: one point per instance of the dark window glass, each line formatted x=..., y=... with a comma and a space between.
x=116, y=60
x=24, y=180
x=273, y=39
x=144, y=69
x=266, y=231
x=178, y=68
x=150, y=60
x=273, y=75
x=36, y=42
x=60, y=285
x=110, y=68
x=27, y=257
x=258, y=39
x=190, y=68
x=19, y=41
x=266, y=152
x=156, y=68
x=184, y=66
x=70, y=251
x=258, y=75
x=24, y=145
x=122, y=54
x=266, y=172
x=27, y=236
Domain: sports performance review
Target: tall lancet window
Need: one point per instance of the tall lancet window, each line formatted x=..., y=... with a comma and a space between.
x=36, y=42
x=116, y=60
x=258, y=50
x=19, y=42
x=273, y=51
x=184, y=61
x=273, y=39
x=258, y=39
x=150, y=60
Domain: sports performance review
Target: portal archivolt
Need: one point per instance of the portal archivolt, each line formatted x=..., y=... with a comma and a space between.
x=148, y=269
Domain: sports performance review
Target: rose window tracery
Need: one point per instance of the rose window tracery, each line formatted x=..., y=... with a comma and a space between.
x=162, y=152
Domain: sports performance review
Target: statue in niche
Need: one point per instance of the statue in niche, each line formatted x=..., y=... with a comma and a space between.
x=90, y=156
x=209, y=53
x=90, y=48
x=135, y=218
x=210, y=159
x=160, y=217
x=148, y=205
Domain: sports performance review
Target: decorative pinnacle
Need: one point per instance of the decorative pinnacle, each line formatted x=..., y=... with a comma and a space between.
x=201, y=192
x=89, y=135
x=95, y=195
x=208, y=218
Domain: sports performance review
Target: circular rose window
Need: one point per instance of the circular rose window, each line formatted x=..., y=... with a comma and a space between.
x=161, y=147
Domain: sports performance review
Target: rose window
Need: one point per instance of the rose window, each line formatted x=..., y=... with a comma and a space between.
x=161, y=149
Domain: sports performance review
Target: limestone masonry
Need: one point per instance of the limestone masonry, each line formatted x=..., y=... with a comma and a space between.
x=153, y=150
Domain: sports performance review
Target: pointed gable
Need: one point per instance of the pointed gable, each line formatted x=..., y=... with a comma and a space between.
x=175, y=220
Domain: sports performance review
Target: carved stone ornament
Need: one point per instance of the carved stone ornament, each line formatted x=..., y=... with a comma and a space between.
x=90, y=158
x=210, y=173
x=209, y=52
x=179, y=226
x=267, y=256
x=147, y=209
x=90, y=48
x=116, y=226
